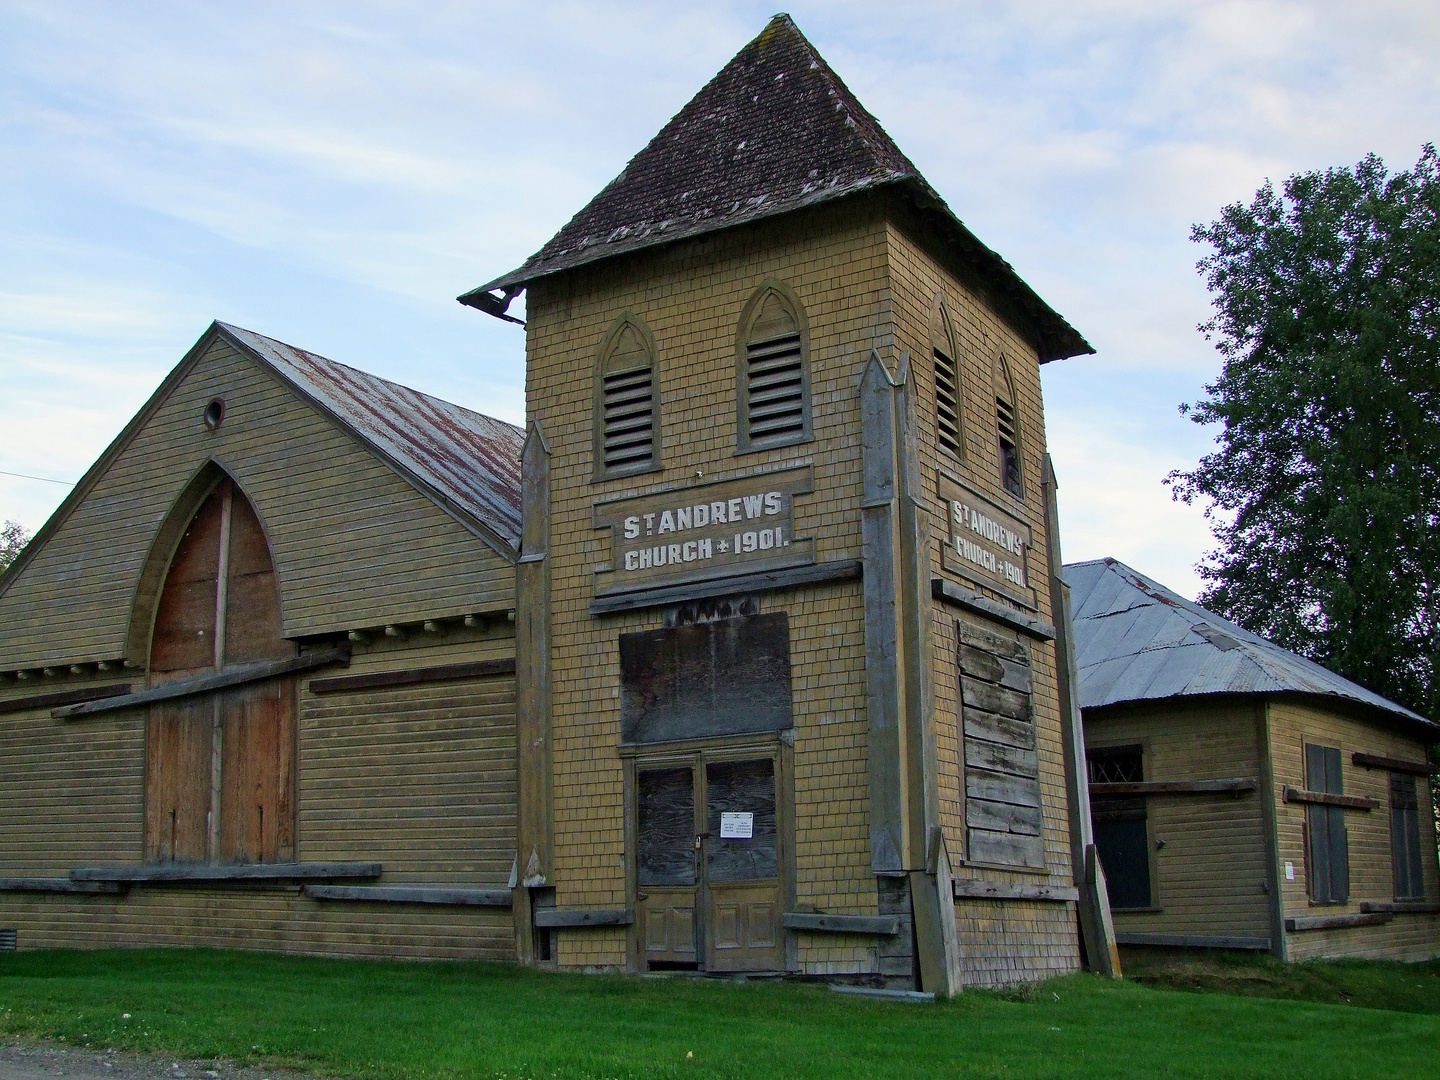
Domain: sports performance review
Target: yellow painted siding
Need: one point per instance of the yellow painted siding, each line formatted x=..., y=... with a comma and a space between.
x=1210, y=877
x=1407, y=936
x=354, y=544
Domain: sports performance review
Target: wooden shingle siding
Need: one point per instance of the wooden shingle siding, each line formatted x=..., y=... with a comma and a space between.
x=354, y=544
x=1209, y=878
x=1408, y=936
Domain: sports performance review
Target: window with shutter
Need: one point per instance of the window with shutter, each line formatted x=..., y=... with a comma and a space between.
x=1008, y=429
x=1327, y=843
x=627, y=402
x=1405, y=837
x=949, y=396
x=773, y=404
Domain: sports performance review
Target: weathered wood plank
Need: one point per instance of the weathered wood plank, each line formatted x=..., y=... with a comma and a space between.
x=59, y=885
x=1400, y=907
x=1376, y=761
x=412, y=676
x=997, y=787
x=1005, y=849
x=765, y=581
x=1000, y=890
x=884, y=925
x=1194, y=941
x=995, y=699
x=56, y=698
x=1302, y=923
x=982, y=664
x=994, y=757
x=1234, y=786
x=980, y=724
x=203, y=684
x=1003, y=817
x=993, y=640
x=546, y=918
x=200, y=873
x=968, y=600
x=406, y=894
x=1324, y=798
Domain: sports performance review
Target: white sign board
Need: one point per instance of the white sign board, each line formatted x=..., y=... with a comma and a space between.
x=737, y=826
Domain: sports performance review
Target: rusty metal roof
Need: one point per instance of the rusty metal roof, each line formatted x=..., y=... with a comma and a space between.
x=1135, y=640
x=775, y=131
x=467, y=462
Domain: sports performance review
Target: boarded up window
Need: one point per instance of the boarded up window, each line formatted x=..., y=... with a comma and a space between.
x=727, y=677
x=1327, y=844
x=774, y=383
x=1405, y=836
x=745, y=791
x=1121, y=835
x=666, y=808
x=220, y=767
x=1004, y=825
x=627, y=402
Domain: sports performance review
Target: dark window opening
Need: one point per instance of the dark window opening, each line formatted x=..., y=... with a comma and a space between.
x=1010, y=474
x=947, y=404
x=1327, y=845
x=1405, y=836
x=1121, y=830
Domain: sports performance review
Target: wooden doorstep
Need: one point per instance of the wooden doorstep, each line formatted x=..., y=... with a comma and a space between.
x=884, y=925
x=1335, y=922
x=1193, y=941
x=56, y=698
x=975, y=889
x=1324, y=798
x=948, y=592
x=60, y=885
x=1234, y=786
x=1375, y=761
x=413, y=676
x=412, y=894
x=199, y=873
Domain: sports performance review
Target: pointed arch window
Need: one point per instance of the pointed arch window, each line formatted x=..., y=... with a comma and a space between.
x=772, y=371
x=627, y=401
x=1007, y=425
x=949, y=393
x=220, y=766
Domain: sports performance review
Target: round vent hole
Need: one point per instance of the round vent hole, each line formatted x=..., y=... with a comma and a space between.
x=215, y=413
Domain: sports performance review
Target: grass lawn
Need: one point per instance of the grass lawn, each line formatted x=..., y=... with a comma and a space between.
x=392, y=1020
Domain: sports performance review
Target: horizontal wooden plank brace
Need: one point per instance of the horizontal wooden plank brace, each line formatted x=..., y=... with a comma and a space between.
x=570, y=917
x=764, y=581
x=885, y=925
x=1375, y=761
x=948, y=592
x=1336, y=922
x=203, y=684
x=1324, y=798
x=59, y=885
x=56, y=698
x=1235, y=786
x=1192, y=941
x=998, y=890
x=411, y=894
x=413, y=676
x=199, y=872
x=1400, y=907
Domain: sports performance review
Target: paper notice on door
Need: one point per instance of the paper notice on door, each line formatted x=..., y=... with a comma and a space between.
x=737, y=826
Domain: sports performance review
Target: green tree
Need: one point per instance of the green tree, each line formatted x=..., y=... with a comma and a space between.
x=1324, y=490
x=13, y=537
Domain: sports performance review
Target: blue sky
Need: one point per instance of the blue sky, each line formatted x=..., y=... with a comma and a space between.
x=333, y=174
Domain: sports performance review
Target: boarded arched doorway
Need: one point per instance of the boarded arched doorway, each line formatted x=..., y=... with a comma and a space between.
x=220, y=765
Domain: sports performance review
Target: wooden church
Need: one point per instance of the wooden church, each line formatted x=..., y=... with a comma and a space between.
x=748, y=655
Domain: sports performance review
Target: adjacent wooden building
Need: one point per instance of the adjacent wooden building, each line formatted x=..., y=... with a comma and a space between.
x=749, y=655
x=1243, y=797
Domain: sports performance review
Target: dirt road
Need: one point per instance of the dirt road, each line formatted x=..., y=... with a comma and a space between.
x=46, y=1061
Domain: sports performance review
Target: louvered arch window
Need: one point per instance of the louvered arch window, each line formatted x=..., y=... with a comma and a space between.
x=949, y=393
x=627, y=401
x=772, y=372
x=1007, y=425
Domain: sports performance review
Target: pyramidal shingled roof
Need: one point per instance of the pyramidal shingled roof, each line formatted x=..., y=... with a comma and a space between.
x=775, y=131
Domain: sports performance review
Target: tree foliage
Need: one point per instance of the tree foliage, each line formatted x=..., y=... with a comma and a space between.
x=1324, y=490
x=13, y=537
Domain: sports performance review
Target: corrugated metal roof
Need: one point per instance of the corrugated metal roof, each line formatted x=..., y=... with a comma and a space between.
x=1135, y=640
x=467, y=462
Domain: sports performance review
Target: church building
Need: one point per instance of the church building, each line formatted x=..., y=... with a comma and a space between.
x=748, y=655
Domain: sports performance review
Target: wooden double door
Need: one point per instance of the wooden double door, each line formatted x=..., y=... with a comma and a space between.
x=709, y=862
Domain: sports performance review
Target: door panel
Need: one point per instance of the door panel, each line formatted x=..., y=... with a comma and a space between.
x=177, y=780
x=257, y=774
x=746, y=921
x=742, y=866
x=668, y=916
x=666, y=865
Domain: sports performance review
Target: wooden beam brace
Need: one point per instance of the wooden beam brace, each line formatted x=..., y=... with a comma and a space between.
x=995, y=890
x=1237, y=786
x=948, y=592
x=882, y=925
x=1324, y=798
x=203, y=684
x=63, y=697
x=413, y=676
x=763, y=581
x=1375, y=761
x=548, y=918
x=1335, y=922
x=1400, y=907
x=181, y=873
x=403, y=894
x=60, y=885
x=1194, y=941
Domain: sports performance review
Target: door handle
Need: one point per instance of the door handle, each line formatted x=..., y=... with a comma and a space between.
x=641, y=896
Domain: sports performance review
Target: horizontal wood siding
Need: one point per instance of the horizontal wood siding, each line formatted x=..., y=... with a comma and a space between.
x=420, y=778
x=1408, y=936
x=354, y=544
x=1210, y=876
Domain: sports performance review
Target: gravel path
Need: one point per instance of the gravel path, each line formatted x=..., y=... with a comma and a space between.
x=46, y=1061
